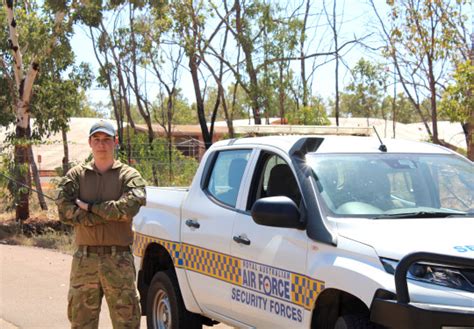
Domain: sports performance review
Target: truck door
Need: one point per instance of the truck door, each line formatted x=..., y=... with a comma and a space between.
x=273, y=259
x=208, y=214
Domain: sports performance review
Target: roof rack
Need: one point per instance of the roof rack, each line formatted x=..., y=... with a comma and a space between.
x=302, y=130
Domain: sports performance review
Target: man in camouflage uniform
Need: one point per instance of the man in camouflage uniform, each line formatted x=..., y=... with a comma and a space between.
x=99, y=199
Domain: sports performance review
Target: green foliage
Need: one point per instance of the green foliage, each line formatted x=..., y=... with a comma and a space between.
x=57, y=95
x=9, y=189
x=241, y=107
x=89, y=12
x=427, y=29
x=5, y=195
x=177, y=172
x=57, y=99
x=183, y=113
x=56, y=5
x=7, y=80
x=426, y=38
x=458, y=99
x=7, y=108
x=314, y=114
x=239, y=110
x=404, y=110
x=363, y=95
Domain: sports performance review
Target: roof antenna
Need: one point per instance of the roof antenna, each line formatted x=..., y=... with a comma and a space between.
x=382, y=146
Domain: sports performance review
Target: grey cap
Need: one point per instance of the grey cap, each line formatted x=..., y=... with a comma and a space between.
x=102, y=126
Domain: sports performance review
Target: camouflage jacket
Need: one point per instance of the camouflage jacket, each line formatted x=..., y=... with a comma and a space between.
x=115, y=195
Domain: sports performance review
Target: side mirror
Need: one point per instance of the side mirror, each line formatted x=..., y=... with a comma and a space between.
x=276, y=211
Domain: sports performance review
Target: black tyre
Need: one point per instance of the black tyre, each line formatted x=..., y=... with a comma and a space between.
x=165, y=306
x=354, y=321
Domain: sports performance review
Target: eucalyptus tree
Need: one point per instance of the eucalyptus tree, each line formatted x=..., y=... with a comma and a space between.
x=59, y=97
x=44, y=29
x=111, y=76
x=366, y=88
x=165, y=61
x=246, y=33
x=302, y=41
x=266, y=39
x=197, y=34
x=458, y=102
x=423, y=40
x=404, y=110
x=120, y=32
x=220, y=101
x=7, y=84
x=282, y=42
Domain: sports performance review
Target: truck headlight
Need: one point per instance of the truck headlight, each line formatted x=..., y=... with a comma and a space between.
x=456, y=278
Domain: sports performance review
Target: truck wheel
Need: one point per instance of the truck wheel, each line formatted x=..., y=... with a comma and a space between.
x=165, y=306
x=354, y=321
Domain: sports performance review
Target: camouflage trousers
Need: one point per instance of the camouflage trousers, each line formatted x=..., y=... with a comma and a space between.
x=92, y=277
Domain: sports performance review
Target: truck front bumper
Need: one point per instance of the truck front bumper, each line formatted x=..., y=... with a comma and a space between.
x=396, y=311
x=392, y=314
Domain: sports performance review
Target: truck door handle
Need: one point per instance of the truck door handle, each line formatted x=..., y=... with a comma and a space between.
x=192, y=223
x=242, y=239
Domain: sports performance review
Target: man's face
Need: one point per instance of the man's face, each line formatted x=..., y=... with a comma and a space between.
x=102, y=146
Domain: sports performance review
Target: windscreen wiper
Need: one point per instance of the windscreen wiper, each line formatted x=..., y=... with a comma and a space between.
x=421, y=214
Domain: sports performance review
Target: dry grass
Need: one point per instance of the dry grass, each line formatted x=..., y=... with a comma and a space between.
x=34, y=233
x=42, y=229
x=51, y=240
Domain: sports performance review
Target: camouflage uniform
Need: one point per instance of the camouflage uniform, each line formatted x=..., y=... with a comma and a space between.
x=114, y=198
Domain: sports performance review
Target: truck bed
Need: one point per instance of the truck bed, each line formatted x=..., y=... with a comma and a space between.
x=162, y=213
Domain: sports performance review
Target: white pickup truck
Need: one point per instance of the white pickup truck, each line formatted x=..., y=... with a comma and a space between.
x=312, y=232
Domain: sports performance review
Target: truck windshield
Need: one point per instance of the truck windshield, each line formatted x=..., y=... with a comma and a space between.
x=394, y=185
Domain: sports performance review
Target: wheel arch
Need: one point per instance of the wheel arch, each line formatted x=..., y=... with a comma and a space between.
x=333, y=303
x=156, y=258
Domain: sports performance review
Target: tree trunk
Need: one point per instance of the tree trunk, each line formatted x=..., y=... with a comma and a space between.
x=66, y=151
x=141, y=104
x=23, y=136
x=228, y=117
x=410, y=96
x=36, y=178
x=394, y=105
x=22, y=174
x=24, y=87
x=193, y=66
x=170, y=157
x=169, y=134
x=281, y=95
x=334, y=29
x=470, y=121
x=304, y=82
x=469, y=128
x=434, y=113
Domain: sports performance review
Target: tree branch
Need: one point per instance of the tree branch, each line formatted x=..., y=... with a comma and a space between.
x=298, y=58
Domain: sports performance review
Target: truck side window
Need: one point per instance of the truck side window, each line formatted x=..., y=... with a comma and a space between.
x=273, y=177
x=226, y=175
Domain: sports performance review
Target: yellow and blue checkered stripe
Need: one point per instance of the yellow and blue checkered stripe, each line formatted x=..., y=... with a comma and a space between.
x=215, y=264
x=304, y=290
